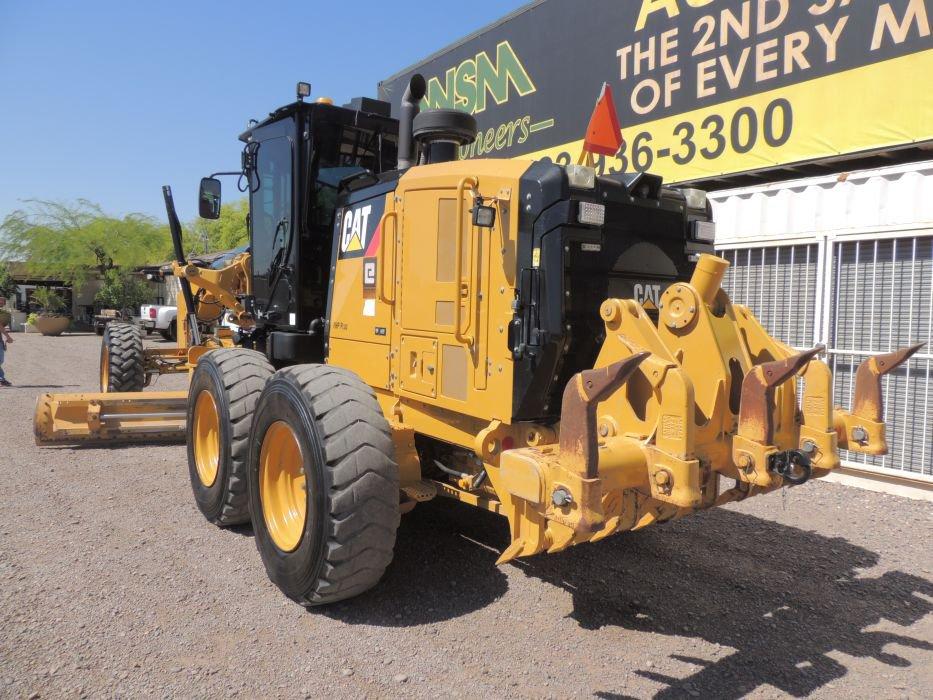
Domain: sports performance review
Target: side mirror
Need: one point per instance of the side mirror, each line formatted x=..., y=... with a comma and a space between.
x=209, y=198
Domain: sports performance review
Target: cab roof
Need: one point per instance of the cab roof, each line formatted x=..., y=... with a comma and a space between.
x=358, y=105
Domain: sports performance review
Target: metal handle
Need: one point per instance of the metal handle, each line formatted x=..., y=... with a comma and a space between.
x=193, y=337
x=380, y=257
x=473, y=183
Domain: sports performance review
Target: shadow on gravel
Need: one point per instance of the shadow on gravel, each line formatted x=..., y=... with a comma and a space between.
x=444, y=567
x=245, y=530
x=782, y=597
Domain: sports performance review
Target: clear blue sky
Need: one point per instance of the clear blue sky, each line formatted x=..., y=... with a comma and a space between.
x=109, y=100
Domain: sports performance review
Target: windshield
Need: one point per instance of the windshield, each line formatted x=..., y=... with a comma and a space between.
x=331, y=177
x=342, y=151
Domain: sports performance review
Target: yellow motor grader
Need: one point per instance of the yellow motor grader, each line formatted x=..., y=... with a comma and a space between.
x=425, y=327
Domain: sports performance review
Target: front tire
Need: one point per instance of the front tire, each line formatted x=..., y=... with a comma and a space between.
x=122, y=358
x=323, y=484
x=221, y=398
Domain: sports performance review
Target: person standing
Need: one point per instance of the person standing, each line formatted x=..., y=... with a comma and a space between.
x=6, y=320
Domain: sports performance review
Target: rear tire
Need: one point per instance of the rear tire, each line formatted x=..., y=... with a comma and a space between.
x=170, y=333
x=122, y=359
x=323, y=484
x=224, y=389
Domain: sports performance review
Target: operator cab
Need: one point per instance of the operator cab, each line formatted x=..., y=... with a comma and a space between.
x=294, y=164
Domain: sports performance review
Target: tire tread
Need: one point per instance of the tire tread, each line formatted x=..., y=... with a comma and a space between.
x=124, y=343
x=244, y=374
x=363, y=491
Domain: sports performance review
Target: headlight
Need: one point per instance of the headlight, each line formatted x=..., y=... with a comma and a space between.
x=591, y=213
x=581, y=176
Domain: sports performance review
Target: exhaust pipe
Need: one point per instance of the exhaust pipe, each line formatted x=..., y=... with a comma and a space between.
x=409, y=109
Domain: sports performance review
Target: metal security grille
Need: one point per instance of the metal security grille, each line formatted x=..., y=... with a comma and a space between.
x=779, y=285
x=882, y=296
x=878, y=296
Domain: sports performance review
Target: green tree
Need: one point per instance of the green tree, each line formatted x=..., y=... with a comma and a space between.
x=73, y=242
x=7, y=285
x=215, y=235
x=48, y=299
x=122, y=291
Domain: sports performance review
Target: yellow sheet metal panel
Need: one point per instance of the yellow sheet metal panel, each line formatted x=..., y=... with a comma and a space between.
x=357, y=312
x=467, y=315
x=418, y=365
x=369, y=360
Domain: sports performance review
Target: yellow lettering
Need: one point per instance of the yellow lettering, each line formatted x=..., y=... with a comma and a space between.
x=765, y=53
x=818, y=9
x=764, y=24
x=916, y=13
x=831, y=37
x=795, y=45
x=734, y=77
x=706, y=71
x=742, y=27
x=650, y=6
x=623, y=54
x=671, y=84
x=653, y=88
x=669, y=47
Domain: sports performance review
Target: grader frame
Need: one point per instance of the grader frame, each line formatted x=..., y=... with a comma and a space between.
x=437, y=366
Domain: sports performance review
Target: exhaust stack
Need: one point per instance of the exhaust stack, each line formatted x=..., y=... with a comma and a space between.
x=439, y=133
x=409, y=109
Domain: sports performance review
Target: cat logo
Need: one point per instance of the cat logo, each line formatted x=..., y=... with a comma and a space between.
x=355, y=226
x=648, y=295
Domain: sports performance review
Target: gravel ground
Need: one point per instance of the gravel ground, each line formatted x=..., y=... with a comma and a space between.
x=111, y=583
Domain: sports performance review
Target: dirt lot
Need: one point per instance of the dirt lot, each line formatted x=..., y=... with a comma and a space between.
x=111, y=583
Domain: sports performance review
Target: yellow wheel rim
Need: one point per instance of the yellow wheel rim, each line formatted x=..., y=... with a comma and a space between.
x=104, y=369
x=282, y=486
x=206, y=438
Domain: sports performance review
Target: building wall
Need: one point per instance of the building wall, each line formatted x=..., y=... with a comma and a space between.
x=845, y=261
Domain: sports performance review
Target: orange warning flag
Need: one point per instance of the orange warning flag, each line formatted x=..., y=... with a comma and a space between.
x=604, y=135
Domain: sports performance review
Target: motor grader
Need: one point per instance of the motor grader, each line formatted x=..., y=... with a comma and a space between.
x=422, y=327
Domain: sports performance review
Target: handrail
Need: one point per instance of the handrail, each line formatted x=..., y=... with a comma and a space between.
x=458, y=260
x=380, y=256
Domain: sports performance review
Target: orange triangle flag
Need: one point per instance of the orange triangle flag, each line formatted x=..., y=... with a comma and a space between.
x=604, y=135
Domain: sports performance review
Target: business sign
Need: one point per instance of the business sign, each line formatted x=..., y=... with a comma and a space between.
x=704, y=88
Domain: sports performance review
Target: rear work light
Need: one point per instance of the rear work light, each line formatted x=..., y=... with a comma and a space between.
x=704, y=231
x=591, y=213
x=696, y=199
x=581, y=176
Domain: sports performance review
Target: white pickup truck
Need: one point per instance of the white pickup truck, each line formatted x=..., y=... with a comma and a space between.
x=161, y=319
x=154, y=317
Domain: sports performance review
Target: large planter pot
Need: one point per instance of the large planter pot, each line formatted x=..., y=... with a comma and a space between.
x=52, y=325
